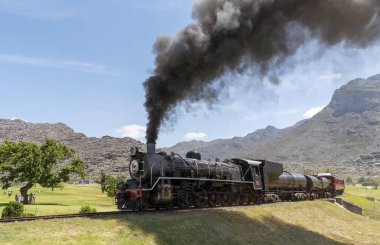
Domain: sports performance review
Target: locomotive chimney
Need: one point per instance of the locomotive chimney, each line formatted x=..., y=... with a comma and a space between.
x=151, y=148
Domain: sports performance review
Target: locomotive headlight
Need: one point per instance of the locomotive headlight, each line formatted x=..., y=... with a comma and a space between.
x=134, y=151
x=134, y=167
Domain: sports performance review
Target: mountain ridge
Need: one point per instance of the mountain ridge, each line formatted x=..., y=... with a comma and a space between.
x=107, y=153
x=348, y=127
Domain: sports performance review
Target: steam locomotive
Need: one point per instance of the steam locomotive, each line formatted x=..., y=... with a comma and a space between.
x=160, y=180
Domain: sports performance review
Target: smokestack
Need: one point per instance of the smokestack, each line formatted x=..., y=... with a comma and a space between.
x=234, y=36
x=151, y=148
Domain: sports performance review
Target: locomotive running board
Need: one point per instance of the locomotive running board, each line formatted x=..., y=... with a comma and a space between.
x=196, y=179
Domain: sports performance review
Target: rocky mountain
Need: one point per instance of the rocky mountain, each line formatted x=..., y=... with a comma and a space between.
x=342, y=133
x=227, y=148
x=107, y=153
x=346, y=128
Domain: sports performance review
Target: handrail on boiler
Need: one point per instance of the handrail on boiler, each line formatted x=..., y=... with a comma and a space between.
x=151, y=172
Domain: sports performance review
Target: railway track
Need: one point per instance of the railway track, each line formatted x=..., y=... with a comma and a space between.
x=110, y=213
x=62, y=216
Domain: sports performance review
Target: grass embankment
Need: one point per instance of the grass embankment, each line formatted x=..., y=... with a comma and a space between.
x=67, y=201
x=311, y=222
x=356, y=195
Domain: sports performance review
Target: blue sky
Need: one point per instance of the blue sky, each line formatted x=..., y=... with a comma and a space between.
x=83, y=63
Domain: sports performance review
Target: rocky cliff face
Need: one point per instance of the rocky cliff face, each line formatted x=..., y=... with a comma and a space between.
x=357, y=97
x=107, y=153
x=347, y=127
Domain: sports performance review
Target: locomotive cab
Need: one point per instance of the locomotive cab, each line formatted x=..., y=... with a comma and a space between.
x=252, y=171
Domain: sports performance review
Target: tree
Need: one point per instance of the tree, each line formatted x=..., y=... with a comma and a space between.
x=28, y=163
x=102, y=181
x=370, y=182
x=111, y=183
x=361, y=180
x=349, y=180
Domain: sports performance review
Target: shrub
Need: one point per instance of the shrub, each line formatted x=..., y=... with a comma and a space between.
x=86, y=210
x=13, y=209
x=61, y=186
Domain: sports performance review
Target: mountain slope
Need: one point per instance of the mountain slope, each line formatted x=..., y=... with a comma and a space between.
x=236, y=146
x=107, y=153
x=348, y=127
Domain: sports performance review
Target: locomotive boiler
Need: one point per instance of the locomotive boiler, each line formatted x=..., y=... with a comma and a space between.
x=150, y=165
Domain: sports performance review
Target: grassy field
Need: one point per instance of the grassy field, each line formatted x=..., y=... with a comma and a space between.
x=362, y=191
x=72, y=197
x=69, y=200
x=310, y=222
x=356, y=195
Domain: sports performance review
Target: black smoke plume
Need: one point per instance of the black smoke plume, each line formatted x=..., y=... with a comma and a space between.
x=234, y=35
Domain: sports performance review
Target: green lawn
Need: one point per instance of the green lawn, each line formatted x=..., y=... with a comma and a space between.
x=69, y=200
x=356, y=195
x=72, y=197
x=309, y=222
x=362, y=191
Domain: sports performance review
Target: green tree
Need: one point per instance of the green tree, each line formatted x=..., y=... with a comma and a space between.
x=102, y=181
x=349, y=180
x=361, y=180
x=111, y=183
x=28, y=163
x=370, y=182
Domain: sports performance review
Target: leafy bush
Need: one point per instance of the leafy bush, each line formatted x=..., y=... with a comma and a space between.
x=87, y=210
x=61, y=186
x=13, y=209
x=110, y=184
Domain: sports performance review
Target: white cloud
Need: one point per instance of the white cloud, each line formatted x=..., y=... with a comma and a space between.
x=195, y=135
x=16, y=118
x=236, y=106
x=134, y=131
x=39, y=9
x=57, y=64
x=332, y=76
x=312, y=111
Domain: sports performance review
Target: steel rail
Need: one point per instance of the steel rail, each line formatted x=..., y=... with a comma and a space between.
x=60, y=216
x=124, y=212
